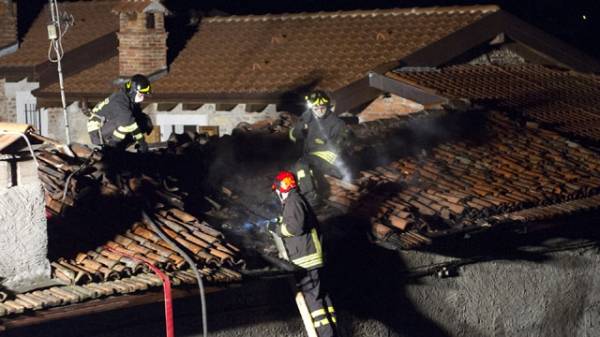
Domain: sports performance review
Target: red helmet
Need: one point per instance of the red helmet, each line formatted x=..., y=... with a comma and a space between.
x=284, y=182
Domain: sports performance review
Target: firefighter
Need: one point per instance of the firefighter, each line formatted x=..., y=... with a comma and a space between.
x=118, y=121
x=325, y=136
x=298, y=229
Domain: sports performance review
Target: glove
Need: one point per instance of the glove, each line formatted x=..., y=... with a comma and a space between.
x=272, y=227
x=272, y=224
x=142, y=147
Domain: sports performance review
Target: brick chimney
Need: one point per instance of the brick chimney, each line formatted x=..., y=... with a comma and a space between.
x=142, y=37
x=8, y=23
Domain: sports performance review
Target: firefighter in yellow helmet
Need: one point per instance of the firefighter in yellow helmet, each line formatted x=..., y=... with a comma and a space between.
x=298, y=229
x=325, y=136
x=118, y=120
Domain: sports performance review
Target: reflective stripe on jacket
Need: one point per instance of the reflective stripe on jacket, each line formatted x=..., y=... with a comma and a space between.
x=120, y=126
x=322, y=136
x=299, y=233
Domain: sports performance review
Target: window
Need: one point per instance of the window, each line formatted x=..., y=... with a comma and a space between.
x=33, y=116
x=150, y=21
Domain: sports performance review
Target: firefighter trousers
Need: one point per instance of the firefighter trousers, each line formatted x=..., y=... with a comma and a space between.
x=309, y=171
x=318, y=302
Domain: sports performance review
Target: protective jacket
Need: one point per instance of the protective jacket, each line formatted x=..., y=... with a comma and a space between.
x=323, y=137
x=114, y=119
x=298, y=230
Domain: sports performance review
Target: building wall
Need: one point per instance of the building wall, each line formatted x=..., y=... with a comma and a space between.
x=207, y=115
x=8, y=111
x=551, y=295
x=77, y=124
x=24, y=238
x=388, y=107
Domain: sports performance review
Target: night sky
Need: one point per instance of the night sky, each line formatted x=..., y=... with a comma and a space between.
x=574, y=21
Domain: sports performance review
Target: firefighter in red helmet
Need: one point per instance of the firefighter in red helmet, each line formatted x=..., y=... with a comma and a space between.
x=298, y=229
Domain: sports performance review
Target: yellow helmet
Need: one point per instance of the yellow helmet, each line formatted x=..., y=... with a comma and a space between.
x=318, y=97
x=138, y=83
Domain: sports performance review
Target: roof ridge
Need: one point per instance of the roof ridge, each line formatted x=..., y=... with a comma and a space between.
x=360, y=13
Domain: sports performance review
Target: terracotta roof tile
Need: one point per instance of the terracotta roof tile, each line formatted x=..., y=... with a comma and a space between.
x=7, y=32
x=277, y=53
x=93, y=19
x=95, y=80
x=566, y=99
x=517, y=174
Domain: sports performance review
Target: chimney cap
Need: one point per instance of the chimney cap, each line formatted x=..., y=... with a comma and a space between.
x=140, y=6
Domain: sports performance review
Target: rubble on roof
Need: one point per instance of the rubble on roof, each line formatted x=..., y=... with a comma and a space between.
x=79, y=193
x=422, y=176
x=516, y=174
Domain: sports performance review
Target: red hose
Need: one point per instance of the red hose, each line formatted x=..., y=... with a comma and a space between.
x=170, y=329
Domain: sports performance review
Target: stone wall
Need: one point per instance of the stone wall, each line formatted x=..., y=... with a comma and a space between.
x=77, y=124
x=8, y=109
x=24, y=237
x=388, y=106
x=514, y=289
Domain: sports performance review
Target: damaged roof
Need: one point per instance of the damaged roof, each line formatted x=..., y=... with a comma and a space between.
x=511, y=173
x=566, y=100
x=106, y=249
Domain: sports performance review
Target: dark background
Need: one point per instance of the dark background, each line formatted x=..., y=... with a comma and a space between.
x=574, y=21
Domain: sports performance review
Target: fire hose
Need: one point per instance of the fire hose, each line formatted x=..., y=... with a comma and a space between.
x=152, y=223
x=169, y=327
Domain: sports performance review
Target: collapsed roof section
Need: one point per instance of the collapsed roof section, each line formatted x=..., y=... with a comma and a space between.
x=103, y=244
x=509, y=173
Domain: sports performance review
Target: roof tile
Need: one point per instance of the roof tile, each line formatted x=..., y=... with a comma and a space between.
x=516, y=173
x=93, y=19
x=235, y=54
x=332, y=48
x=566, y=99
